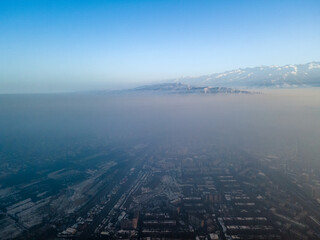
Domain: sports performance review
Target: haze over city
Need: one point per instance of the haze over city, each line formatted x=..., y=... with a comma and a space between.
x=156, y=120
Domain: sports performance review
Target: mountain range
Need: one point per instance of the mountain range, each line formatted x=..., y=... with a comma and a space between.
x=288, y=76
x=238, y=81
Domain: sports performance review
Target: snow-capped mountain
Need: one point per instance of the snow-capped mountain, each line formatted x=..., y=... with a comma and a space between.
x=288, y=76
x=299, y=75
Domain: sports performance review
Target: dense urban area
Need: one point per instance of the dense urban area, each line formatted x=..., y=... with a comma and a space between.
x=166, y=193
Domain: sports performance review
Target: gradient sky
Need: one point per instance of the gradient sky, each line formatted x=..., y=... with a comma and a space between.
x=57, y=46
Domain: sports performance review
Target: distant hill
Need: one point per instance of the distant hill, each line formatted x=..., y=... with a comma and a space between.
x=288, y=76
x=181, y=88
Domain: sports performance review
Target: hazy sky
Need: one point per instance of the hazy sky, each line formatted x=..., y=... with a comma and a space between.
x=48, y=46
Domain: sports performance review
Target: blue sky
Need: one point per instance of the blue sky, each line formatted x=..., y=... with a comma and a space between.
x=56, y=46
